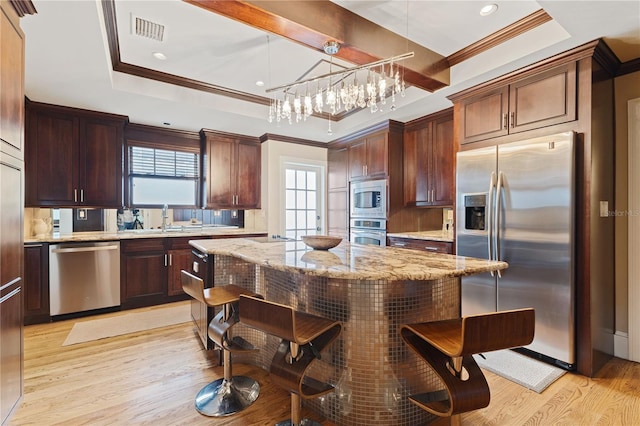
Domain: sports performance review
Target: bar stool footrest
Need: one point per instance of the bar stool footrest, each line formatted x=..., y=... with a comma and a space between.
x=238, y=344
x=436, y=401
x=312, y=388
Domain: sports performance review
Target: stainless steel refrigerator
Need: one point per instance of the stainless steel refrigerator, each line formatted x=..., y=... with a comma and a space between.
x=515, y=203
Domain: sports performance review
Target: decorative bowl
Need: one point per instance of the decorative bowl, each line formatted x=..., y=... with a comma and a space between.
x=321, y=242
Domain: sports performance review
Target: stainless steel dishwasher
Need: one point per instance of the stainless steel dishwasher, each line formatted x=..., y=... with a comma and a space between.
x=83, y=276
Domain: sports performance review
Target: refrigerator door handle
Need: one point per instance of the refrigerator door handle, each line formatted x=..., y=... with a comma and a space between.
x=489, y=219
x=496, y=221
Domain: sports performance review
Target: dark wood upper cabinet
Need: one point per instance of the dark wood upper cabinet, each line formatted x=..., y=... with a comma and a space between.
x=368, y=157
x=429, y=178
x=540, y=100
x=231, y=171
x=73, y=157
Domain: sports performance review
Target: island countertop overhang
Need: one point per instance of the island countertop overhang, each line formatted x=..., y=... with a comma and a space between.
x=349, y=261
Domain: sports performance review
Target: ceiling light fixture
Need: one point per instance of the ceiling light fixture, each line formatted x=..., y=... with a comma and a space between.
x=259, y=83
x=159, y=55
x=363, y=86
x=488, y=9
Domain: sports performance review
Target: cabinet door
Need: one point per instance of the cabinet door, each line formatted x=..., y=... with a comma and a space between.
x=143, y=273
x=220, y=173
x=101, y=168
x=338, y=176
x=357, y=153
x=51, y=164
x=485, y=116
x=11, y=273
x=11, y=83
x=247, y=164
x=178, y=260
x=442, y=169
x=36, y=284
x=377, y=156
x=543, y=100
x=11, y=348
x=416, y=166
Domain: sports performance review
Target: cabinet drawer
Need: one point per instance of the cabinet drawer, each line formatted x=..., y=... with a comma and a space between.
x=424, y=245
x=143, y=244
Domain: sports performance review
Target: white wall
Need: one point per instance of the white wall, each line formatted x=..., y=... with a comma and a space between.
x=274, y=154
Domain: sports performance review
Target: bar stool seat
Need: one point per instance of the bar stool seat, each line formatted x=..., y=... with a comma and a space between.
x=229, y=394
x=447, y=346
x=303, y=336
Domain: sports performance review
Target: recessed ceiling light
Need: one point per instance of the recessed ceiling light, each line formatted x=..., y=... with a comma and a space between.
x=259, y=83
x=488, y=9
x=159, y=55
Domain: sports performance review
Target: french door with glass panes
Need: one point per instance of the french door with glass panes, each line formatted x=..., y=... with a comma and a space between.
x=303, y=200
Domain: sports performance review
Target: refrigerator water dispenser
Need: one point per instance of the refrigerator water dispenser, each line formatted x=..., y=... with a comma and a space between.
x=474, y=207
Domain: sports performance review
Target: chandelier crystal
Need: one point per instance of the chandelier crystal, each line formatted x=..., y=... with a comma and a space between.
x=365, y=86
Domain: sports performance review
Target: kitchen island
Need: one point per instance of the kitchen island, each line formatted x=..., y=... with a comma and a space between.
x=372, y=291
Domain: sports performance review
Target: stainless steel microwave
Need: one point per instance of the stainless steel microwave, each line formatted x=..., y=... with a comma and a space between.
x=369, y=199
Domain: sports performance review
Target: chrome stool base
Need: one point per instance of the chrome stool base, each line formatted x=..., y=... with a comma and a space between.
x=224, y=397
x=303, y=422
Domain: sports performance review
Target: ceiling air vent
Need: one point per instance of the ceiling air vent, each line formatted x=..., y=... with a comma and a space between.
x=148, y=29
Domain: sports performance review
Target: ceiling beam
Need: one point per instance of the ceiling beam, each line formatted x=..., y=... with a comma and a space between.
x=313, y=23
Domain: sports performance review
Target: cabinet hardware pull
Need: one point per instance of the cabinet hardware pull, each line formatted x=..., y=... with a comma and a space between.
x=431, y=248
x=82, y=195
x=400, y=244
x=165, y=260
x=505, y=121
x=170, y=260
x=513, y=119
x=75, y=195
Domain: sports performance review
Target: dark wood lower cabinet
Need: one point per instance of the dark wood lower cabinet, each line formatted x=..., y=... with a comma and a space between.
x=419, y=244
x=143, y=274
x=36, y=284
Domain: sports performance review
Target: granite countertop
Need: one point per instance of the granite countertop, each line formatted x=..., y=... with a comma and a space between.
x=437, y=235
x=142, y=233
x=348, y=261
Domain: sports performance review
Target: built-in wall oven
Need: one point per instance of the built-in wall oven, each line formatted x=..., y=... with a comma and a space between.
x=368, y=199
x=368, y=231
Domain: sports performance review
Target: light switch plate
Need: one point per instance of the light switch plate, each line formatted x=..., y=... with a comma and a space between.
x=604, y=208
x=450, y=214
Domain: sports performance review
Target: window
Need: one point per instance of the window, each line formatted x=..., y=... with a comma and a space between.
x=303, y=200
x=162, y=175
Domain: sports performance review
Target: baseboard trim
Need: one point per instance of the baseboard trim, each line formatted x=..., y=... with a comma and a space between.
x=621, y=345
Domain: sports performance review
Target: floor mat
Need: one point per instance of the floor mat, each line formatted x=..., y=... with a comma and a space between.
x=528, y=372
x=87, y=331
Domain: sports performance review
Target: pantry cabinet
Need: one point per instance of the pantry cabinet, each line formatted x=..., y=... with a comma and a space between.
x=73, y=157
x=429, y=152
x=231, y=170
x=539, y=100
x=338, y=190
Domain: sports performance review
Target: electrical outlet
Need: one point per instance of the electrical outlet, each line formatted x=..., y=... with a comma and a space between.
x=604, y=208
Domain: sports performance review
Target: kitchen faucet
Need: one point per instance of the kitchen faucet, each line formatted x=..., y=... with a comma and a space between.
x=165, y=208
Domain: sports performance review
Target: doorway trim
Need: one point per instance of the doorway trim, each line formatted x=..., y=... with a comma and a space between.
x=634, y=228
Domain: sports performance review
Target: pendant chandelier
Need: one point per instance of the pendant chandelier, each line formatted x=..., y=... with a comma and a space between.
x=365, y=86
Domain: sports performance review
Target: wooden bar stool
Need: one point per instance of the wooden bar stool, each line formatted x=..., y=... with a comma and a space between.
x=448, y=347
x=229, y=394
x=303, y=336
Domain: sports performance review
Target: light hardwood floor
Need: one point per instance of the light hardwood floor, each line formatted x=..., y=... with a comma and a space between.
x=152, y=377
